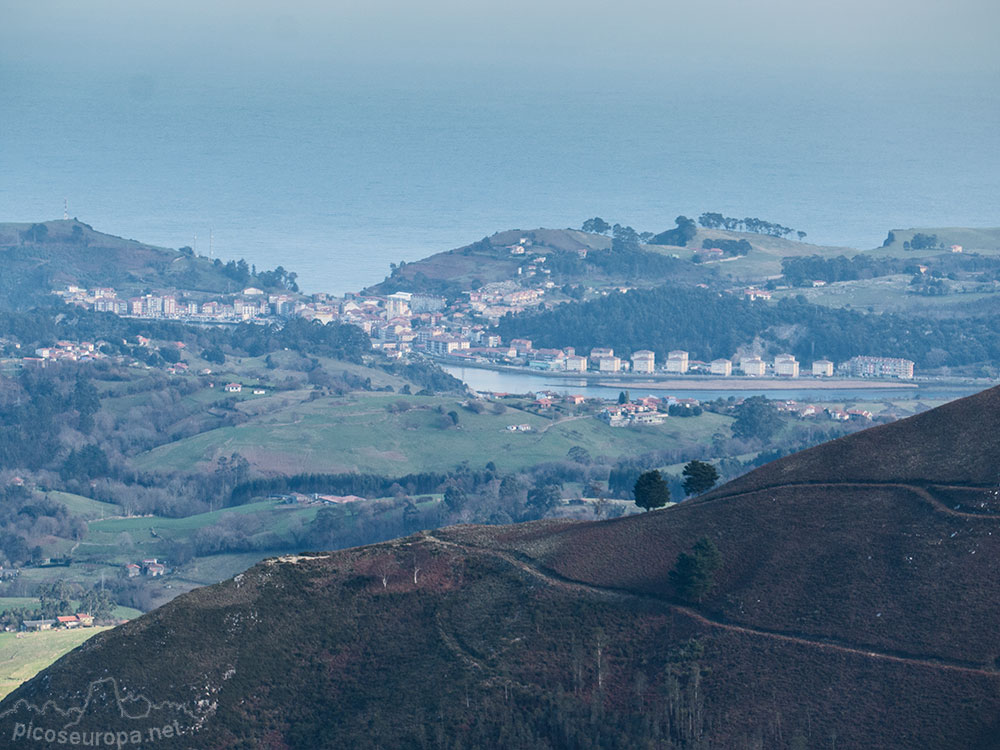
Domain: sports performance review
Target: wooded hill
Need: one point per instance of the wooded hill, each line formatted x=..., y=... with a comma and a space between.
x=853, y=606
x=711, y=325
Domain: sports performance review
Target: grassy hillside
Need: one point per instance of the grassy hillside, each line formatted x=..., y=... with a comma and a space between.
x=764, y=259
x=23, y=655
x=370, y=433
x=853, y=608
x=973, y=240
x=571, y=256
x=586, y=258
x=895, y=294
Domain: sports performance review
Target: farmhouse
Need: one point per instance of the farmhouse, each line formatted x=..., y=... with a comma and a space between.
x=38, y=624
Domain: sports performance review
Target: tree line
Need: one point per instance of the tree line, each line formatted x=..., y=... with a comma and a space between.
x=711, y=220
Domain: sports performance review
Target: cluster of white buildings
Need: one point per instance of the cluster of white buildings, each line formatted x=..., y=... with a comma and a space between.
x=877, y=367
x=496, y=299
x=678, y=362
x=786, y=366
x=66, y=351
x=805, y=411
x=250, y=304
x=631, y=414
x=402, y=322
x=644, y=411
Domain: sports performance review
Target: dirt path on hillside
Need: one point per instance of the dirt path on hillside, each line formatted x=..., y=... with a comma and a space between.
x=552, y=578
x=920, y=492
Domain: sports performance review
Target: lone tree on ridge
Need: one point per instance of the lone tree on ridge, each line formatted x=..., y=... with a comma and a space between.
x=699, y=477
x=651, y=491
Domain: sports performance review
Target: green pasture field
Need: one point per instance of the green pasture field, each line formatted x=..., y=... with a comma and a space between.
x=886, y=294
x=358, y=433
x=23, y=655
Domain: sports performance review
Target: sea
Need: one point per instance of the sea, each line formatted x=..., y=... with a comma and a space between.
x=336, y=178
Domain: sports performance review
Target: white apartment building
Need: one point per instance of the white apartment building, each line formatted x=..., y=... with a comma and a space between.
x=822, y=368
x=677, y=362
x=786, y=366
x=643, y=361
x=721, y=367
x=609, y=364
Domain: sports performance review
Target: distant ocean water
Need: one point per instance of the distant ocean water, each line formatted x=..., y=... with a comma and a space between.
x=335, y=181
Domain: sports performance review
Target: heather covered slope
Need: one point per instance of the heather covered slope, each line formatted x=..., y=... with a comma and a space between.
x=958, y=443
x=854, y=608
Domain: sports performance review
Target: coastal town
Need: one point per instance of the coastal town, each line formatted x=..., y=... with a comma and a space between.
x=459, y=332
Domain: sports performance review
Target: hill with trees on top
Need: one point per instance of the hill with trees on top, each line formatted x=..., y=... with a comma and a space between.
x=41, y=257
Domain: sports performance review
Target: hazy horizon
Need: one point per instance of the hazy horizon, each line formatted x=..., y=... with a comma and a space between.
x=723, y=36
x=334, y=139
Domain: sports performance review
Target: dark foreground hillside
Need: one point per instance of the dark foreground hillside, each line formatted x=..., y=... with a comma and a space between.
x=855, y=608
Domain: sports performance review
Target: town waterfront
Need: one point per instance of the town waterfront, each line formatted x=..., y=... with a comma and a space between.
x=505, y=381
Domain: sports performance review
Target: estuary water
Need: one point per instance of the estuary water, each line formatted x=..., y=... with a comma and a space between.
x=496, y=381
x=336, y=178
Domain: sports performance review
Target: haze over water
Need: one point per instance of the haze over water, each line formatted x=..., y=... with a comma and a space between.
x=334, y=168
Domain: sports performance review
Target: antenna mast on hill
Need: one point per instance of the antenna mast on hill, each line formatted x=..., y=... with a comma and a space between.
x=195, y=248
x=211, y=252
x=65, y=209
